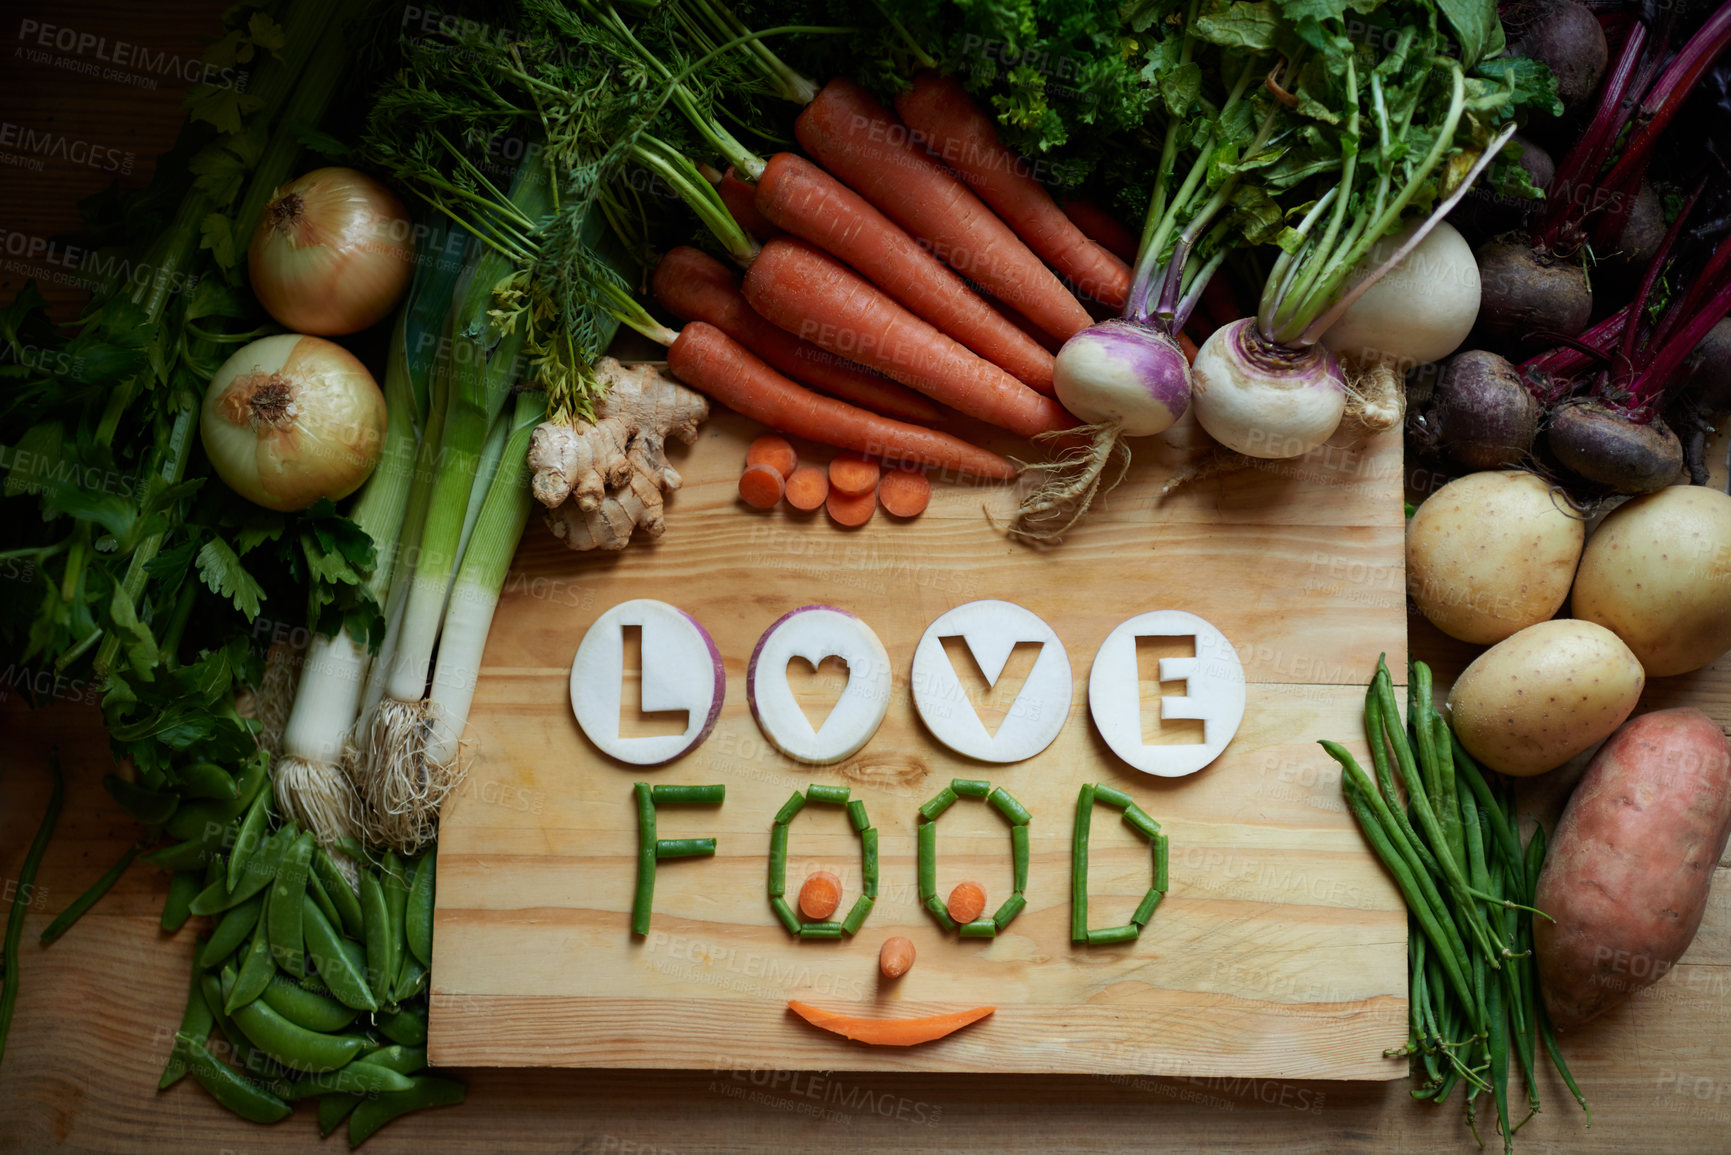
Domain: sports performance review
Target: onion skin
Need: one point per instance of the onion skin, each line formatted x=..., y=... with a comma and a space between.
x=332, y=254
x=1265, y=400
x=290, y=419
x=1123, y=372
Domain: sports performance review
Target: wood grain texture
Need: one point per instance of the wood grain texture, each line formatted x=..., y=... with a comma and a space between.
x=1280, y=950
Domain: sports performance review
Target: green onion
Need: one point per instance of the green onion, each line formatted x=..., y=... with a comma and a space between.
x=1114, y=934
x=684, y=847
x=979, y=928
x=689, y=794
x=928, y=861
x=789, y=808
x=857, y=916
x=836, y=795
x=644, y=899
x=1010, y=909
x=856, y=814
x=937, y=804
x=1079, y=864
x=1006, y=804
x=785, y=913
x=971, y=787
x=1019, y=853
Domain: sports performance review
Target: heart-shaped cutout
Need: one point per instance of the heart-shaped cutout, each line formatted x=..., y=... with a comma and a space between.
x=817, y=688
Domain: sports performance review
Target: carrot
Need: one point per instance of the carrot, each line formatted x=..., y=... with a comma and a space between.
x=896, y=957
x=967, y=901
x=715, y=364
x=872, y=152
x=850, y=509
x=774, y=451
x=888, y=1032
x=1187, y=346
x=807, y=488
x=806, y=201
x=760, y=486
x=1102, y=228
x=940, y=109
x=853, y=473
x=694, y=286
x=740, y=197
x=904, y=493
x=820, y=895
x=813, y=295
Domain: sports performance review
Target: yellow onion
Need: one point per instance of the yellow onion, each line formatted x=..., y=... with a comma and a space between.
x=333, y=253
x=290, y=419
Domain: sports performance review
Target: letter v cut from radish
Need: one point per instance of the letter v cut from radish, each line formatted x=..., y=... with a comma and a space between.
x=991, y=630
x=682, y=670
x=815, y=633
x=1214, y=692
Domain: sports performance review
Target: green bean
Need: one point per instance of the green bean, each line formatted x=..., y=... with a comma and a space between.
x=403, y=1060
x=684, y=847
x=251, y=835
x=692, y=794
x=643, y=901
x=937, y=804
x=358, y=1078
x=192, y=819
x=927, y=839
x=821, y=930
x=412, y=981
x=406, y=1025
x=64, y=920
x=1145, y=909
x=1007, y=912
x=1079, y=864
x=1499, y=1047
x=1419, y=708
x=785, y=913
x=227, y=1087
x=979, y=928
x=394, y=881
x=971, y=787
x=347, y=982
x=291, y=1045
x=935, y=905
x=304, y=1008
x=1408, y=842
x=256, y=968
x=382, y=961
x=177, y=904
x=287, y=938
x=195, y=1023
x=236, y=926
x=1444, y=755
x=207, y=780
x=1114, y=934
x=777, y=860
x=1140, y=821
x=1005, y=802
x=794, y=804
x=1548, y=1033
x=322, y=900
x=333, y=1109
x=259, y=872
x=1112, y=796
x=869, y=859
x=341, y=892
x=835, y=795
x=856, y=814
x=428, y=1091
x=1468, y=771
x=1475, y=847
x=1019, y=857
x=151, y=807
x=1162, y=864
x=856, y=917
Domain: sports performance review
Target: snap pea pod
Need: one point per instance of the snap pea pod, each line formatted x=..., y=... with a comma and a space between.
x=333, y=1109
x=241, y=1096
x=258, y=873
x=195, y=1023
x=394, y=880
x=316, y=892
x=194, y=853
x=304, y=1008
x=418, y=913
x=208, y=780
x=285, y=921
x=401, y=1059
x=341, y=892
x=381, y=946
x=194, y=817
x=256, y=968
x=151, y=807
x=250, y=1058
x=347, y=982
x=358, y=1078
x=177, y=904
x=233, y=930
x=411, y=982
x=428, y=1091
x=407, y=1026
x=292, y=1045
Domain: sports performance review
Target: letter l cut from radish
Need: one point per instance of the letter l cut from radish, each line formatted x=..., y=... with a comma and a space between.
x=682, y=670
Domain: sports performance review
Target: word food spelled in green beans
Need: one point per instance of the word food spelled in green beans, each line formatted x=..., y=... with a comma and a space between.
x=926, y=843
x=860, y=823
x=1136, y=819
x=651, y=849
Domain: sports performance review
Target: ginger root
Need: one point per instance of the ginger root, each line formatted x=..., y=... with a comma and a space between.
x=600, y=482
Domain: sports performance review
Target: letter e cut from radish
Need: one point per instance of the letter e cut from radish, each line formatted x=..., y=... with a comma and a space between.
x=815, y=633
x=991, y=630
x=1214, y=692
x=682, y=670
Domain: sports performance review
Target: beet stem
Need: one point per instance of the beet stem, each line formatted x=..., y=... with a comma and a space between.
x=1651, y=278
x=1649, y=387
x=1588, y=155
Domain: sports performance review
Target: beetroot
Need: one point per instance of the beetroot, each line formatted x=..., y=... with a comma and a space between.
x=1525, y=297
x=1602, y=446
x=1568, y=38
x=1481, y=413
x=1644, y=231
x=1705, y=375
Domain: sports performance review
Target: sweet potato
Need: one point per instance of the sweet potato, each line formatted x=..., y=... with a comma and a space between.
x=1631, y=862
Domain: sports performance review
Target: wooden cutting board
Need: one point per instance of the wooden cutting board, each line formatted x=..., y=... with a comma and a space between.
x=1279, y=951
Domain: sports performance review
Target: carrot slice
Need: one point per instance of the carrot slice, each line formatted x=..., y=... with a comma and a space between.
x=904, y=493
x=851, y=509
x=775, y=451
x=853, y=473
x=761, y=486
x=820, y=895
x=807, y=488
x=967, y=901
x=888, y=1032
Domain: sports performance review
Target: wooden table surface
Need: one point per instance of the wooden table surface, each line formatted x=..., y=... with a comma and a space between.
x=96, y=1010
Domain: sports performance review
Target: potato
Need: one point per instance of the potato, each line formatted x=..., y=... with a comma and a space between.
x=1490, y=554
x=1631, y=862
x=1657, y=572
x=1536, y=699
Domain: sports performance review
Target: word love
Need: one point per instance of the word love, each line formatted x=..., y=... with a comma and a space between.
x=682, y=673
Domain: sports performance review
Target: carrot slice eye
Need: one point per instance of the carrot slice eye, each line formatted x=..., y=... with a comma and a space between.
x=889, y=1032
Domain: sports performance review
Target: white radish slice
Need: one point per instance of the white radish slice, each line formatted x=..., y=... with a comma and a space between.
x=682, y=670
x=991, y=629
x=815, y=633
x=1214, y=692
